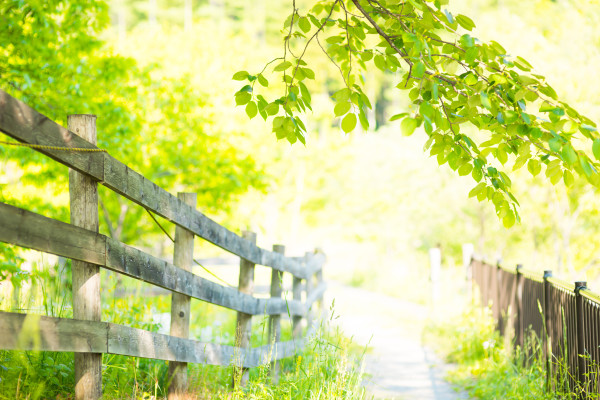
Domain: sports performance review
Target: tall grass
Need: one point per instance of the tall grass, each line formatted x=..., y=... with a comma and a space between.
x=487, y=367
x=329, y=367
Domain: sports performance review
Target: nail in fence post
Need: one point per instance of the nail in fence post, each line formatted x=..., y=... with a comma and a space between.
x=581, y=363
x=547, y=324
x=275, y=320
x=519, y=329
x=244, y=321
x=183, y=258
x=83, y=192
x=309, y=288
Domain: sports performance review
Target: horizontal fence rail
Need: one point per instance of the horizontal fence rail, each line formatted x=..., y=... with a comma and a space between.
x=36, y=332
x=86, y=335
x=548, y=315
x=26, y=125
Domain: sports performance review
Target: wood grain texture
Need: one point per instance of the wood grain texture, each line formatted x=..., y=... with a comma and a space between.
x=243, y=329
x=183, y=258
x=27, y=229
x=83, y=193
x=275, y=320
x=41, y=333
x=36, y=332
x=27, y=125
x=30, y=230
x=297, y=319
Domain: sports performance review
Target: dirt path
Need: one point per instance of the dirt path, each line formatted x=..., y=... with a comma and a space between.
x=398, y=365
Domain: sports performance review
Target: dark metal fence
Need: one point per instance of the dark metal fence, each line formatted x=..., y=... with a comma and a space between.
x=546, y=317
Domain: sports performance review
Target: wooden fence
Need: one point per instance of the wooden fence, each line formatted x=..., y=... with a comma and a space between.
x=563, y=317
x=86, y=335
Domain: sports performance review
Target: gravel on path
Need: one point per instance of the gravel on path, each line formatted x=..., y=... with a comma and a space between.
x=398, y=365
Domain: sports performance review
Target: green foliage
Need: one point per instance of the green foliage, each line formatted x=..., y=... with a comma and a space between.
x=328, y=368
x=453, y=79
x=151, y=122
x=486, y=368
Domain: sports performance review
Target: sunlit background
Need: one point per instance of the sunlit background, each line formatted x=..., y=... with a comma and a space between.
x=372, y=201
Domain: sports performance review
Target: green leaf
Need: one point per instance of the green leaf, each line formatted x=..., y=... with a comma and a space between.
x=334, y=39
x=251, y=109
x=309, y=73
x=465, y=169
x=569, y=154
x=465, y=22
x=304, y=91
x=342, y=108
x=362, y=117
x=467, y=41
x=272, y=108
x=519, y=162
x=477, y=189
x=398, y=116
x=485, y=101
x=380, y=62
x=555, y=144
x=523, y=64
x=585, y=165
x=242, y=98
x=534, y=167
x=477, y=174
x=240, y=75
x=545, y=107
x=471, y=54
x=568, y=178
x=262, y=80
x=596, y=148
x=501, y=155
x=283, y=66
x=418, y=70
x=408, y=126
x=304, y=24
x=349, y=123
x=508, y=220
x=470, y=79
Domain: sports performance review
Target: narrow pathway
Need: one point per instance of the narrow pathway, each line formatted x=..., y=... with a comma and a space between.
x=398, y=365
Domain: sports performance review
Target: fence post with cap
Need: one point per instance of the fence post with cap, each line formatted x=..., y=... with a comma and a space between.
x=581, y=362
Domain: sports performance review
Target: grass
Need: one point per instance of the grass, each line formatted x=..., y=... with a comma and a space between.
x=328, y=368
x=487, y=366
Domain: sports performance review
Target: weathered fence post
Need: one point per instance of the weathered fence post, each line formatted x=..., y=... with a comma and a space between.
x=519, y=307
x=83, y=192
x=275, y=320
x=581, y=363
x=244, y=321
x=297, y=319
x=183, y=258
x=547, y=325
x=319, y=276
x=497, y=298
x=308, y=256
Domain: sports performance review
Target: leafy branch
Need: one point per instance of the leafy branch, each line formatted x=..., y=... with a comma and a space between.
x=454, y=81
